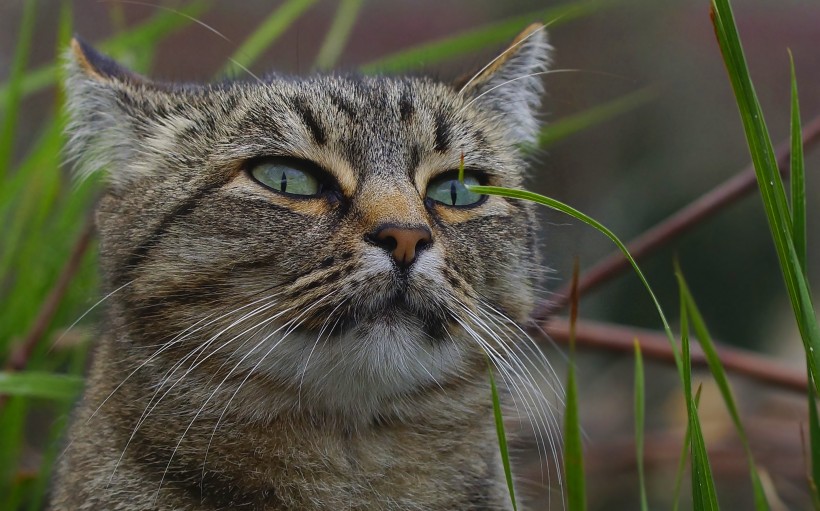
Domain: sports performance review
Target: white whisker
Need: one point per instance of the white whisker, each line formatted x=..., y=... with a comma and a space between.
x=529, y=75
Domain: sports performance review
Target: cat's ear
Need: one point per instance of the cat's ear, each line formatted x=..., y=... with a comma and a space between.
x=511, y=85
x=112, y=115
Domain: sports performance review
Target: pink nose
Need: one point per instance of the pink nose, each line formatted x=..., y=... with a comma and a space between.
x=403, y=242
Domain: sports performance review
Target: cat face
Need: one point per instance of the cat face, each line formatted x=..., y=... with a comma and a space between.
x=312, y=234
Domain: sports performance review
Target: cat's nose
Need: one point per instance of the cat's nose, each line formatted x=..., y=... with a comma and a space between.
x=403, y=243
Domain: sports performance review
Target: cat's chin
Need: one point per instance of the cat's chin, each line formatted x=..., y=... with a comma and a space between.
x=372, y=363
x=397, y=315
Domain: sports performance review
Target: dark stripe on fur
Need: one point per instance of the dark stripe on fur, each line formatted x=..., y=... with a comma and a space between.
x=303, y=109
x=406, y=107
x=442, y=142
x=343, y=104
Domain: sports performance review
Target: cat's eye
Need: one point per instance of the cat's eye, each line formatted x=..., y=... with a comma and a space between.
x=288, y=176
x=448, y=190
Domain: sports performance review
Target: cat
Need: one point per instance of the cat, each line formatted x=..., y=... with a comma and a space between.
x=303, y=297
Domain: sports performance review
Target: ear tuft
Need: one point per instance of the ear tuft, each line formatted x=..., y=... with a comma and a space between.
x=102, y=133
x=511, y=86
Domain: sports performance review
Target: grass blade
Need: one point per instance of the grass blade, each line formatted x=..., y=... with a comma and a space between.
x=573, y=446
x=16, y=74
x=769, y=183
x=270, y=29
x=798, y=174
x=684, y=457
x=640, y=404
x=704, y=495
x=483, y=37
x=719, y=375
x=338, y=34
x=157, y=27
x=563, y=128
x=45, y=385
x=502, y=437
x=798, y=203
x=814, y=448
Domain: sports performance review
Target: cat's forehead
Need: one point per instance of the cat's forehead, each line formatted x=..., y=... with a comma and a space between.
x=373, y=123
x=335, y=106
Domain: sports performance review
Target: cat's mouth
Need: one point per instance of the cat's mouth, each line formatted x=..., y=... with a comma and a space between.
x=398, y=312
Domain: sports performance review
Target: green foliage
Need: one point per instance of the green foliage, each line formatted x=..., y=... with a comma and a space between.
x=769, y=182
x=61, y=387
x=338, y=33
x=719, y=374
x=573, y=445
x=502, y=436
x=15, y=85
x=472, y=40
x=563, y=128
x=704, y=495
x=265, y=35
x=640, y=404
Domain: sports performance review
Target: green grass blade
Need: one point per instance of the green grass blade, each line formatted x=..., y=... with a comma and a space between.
x=704, y=495
x=683, y=458
x=769, y=183
x=16, y=74
x=814, y=447
x=573, y=448
x=44, y=385
x=502, y=437
x=798, y=203
x=719, y=375
x=483, y=37
x=798, y=174
x=563, y=128
x=270, y=30
x=157, y=27
x=338, y=34
x=569, y=210
x=573, y=445
x=163, y=23
x=640, y=404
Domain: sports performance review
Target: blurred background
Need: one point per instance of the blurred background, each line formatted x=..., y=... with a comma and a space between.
x=675, y=136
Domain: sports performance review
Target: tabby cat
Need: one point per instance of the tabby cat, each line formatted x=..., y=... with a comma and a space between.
x=303, y=297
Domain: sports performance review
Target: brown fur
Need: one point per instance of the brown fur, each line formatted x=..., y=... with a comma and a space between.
x=260, y=352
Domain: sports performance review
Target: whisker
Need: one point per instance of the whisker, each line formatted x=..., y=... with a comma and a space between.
x=154, y=402
x=236, y=366
x=198, y=22
x=545, y=416
x=87, y=312
x=318, y=338
x=500, y=55
x=528, y=75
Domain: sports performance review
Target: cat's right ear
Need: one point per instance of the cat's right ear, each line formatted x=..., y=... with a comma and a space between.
x=110, y=115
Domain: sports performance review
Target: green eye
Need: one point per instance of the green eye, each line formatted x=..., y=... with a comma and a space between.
x=286, y=176
x=451, y=192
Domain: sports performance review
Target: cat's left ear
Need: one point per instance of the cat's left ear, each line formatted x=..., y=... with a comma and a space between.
x=511, y=85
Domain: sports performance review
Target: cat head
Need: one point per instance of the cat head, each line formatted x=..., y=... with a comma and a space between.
x=312, y=232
